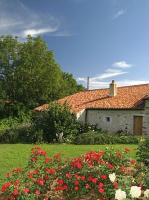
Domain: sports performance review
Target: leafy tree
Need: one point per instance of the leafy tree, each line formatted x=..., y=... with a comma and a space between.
x=70, y=85
x=9, y=48
x=29, y=73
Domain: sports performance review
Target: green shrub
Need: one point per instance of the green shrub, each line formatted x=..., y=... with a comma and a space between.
x=146, y=179
x=55, y=121
x=94, y=137
x=85, y=128
x=11, y=109
x=143, y=151
x=16, y=129
x=23, y=134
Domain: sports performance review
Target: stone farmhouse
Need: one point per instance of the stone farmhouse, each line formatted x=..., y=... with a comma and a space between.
x=113, y=109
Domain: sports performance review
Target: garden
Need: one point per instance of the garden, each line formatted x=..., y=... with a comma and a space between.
x=93, y=172
x=49, y=155
x=69, y=160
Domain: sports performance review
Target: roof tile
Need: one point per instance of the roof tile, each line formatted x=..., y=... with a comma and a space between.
x=128, y=97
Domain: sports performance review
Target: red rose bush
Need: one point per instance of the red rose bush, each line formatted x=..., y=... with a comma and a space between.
x=102, y=175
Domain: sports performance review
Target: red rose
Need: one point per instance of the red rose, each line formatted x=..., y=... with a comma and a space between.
x=127, y=150
x=115, y=185
x=100, y=185
x=101, y=190
x=41, y=152
x=5, y=186
x=47, y=160
x=50, y=171
x=76, y=182
x=76, y=188
x=82, y=178
x=12, y=197
x=94, y=180
x=133, y=162
x=15, y=192
x=87, y=186
x=68, y=175
x=40, y=181
x=37, y=193
x=26, y=190
x=30, y=176
x=65, y=187
x=33, y=159
x=46, y=178
x=104, y=177
x=110, y=166
x=60, y=181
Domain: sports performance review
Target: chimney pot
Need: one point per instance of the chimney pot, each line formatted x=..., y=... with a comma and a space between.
x=113, y=89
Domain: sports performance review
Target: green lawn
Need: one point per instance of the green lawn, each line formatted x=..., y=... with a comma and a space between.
x=16, y=155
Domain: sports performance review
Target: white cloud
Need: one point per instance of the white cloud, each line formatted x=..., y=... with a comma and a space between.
x=122, y=64
x=132, y=82
x=63, y=34
x=116, y=69
x=109, y=73
x=105, y=84
x=102, y=80
x=119, y=13
x=17, y=19
x=35, y=32
x=82, y=79
x=97, y=81
x=95, y=84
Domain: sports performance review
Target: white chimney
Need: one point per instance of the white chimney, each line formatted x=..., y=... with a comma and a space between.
x=113, y=89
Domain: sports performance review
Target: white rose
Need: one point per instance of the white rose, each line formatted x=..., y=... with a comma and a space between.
x=146, y=193
x=112, y=177
x=120, y=195
x=135, y=191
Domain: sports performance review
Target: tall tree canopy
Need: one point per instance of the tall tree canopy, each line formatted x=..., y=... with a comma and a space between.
x=29, y=73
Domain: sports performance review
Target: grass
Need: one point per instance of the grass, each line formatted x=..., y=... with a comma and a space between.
x=16, y=155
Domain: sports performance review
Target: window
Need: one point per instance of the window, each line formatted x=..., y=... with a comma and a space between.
x=107, y=119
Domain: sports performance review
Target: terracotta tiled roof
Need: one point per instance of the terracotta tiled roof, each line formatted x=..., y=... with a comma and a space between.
x=128, y=97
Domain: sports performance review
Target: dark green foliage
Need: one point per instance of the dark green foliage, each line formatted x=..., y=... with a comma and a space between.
x=22, y=134
x=143, y=151
x=58, y=119
x=30, y=75
x=11, y=109
x=146, y=178
x=16, y=129
x=94, y=137
x=70, y=85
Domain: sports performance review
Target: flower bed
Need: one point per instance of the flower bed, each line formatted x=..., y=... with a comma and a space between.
x=102, y=175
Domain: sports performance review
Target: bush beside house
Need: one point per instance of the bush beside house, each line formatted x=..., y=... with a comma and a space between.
x=56, y=123
x=93, y=137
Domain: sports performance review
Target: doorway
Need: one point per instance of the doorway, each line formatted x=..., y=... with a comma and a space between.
x=138, y=124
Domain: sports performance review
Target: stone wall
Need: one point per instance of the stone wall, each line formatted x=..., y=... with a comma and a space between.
x=146, y=118
x=81, y=116
x=115, y=120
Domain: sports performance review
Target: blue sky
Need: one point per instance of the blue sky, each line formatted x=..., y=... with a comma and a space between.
x=102, y=39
